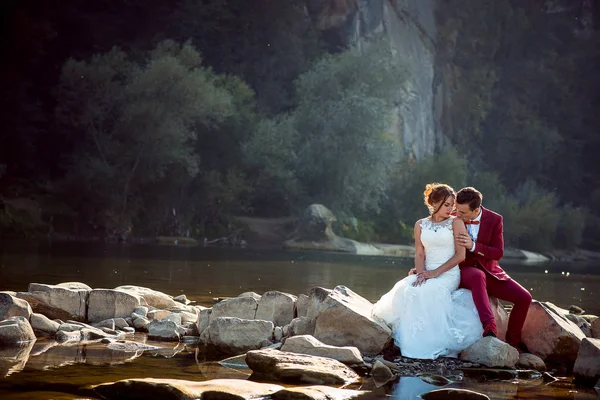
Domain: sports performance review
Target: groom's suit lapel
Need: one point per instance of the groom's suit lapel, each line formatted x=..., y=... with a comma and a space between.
x=484, y=227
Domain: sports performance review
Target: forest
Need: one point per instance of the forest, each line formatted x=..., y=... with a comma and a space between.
x=143, y=118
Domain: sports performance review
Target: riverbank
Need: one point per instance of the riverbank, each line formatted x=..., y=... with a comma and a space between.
x=326, y=337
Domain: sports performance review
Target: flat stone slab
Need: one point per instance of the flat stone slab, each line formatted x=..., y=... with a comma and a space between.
x=275, y=365
x=176, y=389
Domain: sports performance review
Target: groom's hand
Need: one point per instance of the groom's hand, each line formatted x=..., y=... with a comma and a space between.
x=464, y=240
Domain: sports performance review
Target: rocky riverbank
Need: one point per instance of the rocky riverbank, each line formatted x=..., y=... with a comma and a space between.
x=325, y=337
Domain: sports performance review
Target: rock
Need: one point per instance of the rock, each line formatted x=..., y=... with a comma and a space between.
x=436, y=380
x=238, y=307
x=550, y=335
x=42, y=325
x=491, y=352
x=74, y=286
x=306, y=344
x=141, y=310
x=70, y=327
x=587, y=366
x=573, y=309
x=254, y=295
x=94, y=334
x=63, y=336
x=316, y=392
x=141, y=323
x=277, y=307
x=300, y=326
x=107, y=323
x=529, y=374
x=203, y=320
x=57, y=302
x=182, y=299
x=187, y=317
x=174, y=389
x=153, y=298
x=302, y=306
x=451, y=394
x=120, y=323
x=15, y=330
x=128, y=329
x=596, y=328
x=163, y=330
x=236, y=336
x=11, y=306
x=380, y=370
x=298, y=368
x=345, y=320
x=581, y=323
x=278, y=334
x=157, y=314
x=531, y=361
x=107, y=303
x=491, y=373
x=129, y=346
x=174, y=317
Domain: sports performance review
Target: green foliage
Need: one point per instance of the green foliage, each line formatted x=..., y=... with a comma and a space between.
x=569, y=234
x=138, y=120
x=333, y=148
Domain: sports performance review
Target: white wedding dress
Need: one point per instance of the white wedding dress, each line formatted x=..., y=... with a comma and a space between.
x=435, y=319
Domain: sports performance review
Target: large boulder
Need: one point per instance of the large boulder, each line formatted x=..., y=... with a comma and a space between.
x=275, y=365
x=57, y=302
x=238, y=307
x=11, y=306
x=175, y=389
x=587, y=366
x=153, y=298
x=306, y=344
x=163, y=330
x=277, y=307
x=491, y=352
x=316, y=392
x=596, y=328
x=550, y=335
x=42, y=325
x=236, y=336
x=15, y=330
x=345, y=319
x=107, y=303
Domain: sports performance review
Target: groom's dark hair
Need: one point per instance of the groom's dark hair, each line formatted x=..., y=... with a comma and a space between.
x=470, y=196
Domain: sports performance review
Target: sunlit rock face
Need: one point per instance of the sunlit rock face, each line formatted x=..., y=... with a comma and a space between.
x=409, y=26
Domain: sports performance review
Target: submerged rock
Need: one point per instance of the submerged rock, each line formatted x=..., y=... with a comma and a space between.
x=306, y=344
x=175, y=389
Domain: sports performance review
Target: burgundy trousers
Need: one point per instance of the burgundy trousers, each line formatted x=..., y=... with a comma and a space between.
x=482, y=285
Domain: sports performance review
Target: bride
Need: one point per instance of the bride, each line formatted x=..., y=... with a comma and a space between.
x=429, y=317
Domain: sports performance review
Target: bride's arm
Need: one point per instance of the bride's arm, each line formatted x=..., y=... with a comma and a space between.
x=458, y=226
x=419, y=249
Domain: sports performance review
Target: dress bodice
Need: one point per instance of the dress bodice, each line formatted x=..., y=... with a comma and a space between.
x=438, y=241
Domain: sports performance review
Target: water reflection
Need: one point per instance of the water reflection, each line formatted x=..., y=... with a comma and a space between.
x=412, y=388
x=14, y=358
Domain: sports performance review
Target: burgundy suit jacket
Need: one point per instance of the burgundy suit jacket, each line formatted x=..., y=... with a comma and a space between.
x=490, y=246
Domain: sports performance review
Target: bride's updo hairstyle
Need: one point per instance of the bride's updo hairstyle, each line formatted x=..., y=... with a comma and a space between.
x=436, y=193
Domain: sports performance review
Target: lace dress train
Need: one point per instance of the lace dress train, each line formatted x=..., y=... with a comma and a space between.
x=434, y=319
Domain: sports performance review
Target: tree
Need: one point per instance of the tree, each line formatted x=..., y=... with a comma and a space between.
x=335, y=142
x=135, y=123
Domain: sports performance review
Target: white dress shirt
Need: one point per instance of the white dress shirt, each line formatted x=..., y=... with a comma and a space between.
x=473, y=230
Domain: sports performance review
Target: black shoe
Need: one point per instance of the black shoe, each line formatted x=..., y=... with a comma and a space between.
x=522, y=348
x=489, y=332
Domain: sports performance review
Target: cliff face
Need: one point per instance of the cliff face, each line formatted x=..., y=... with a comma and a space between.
x=409, y=26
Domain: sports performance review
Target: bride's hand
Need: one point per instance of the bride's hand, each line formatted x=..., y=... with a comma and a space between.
x=420, y=280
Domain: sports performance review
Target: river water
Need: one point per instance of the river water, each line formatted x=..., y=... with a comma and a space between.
x=202, y=274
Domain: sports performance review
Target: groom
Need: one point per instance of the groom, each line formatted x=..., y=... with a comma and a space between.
x=480, y=271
